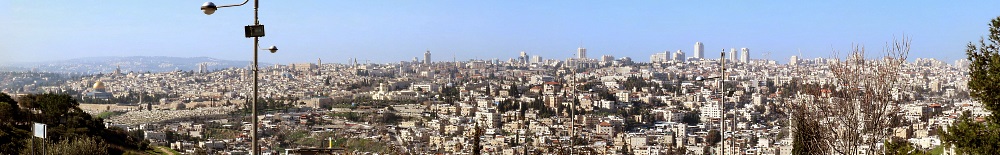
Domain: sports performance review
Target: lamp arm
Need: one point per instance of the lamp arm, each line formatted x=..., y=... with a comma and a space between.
x=232, y=5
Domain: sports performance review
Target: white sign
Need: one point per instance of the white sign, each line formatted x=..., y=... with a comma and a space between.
x=39, y=130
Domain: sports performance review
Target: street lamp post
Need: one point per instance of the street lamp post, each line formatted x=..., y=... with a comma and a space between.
x=722, y=101
x=722, y=106
x=255, y=31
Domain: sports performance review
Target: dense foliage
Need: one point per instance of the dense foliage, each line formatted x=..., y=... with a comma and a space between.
x=691, y=118
x=69, y=128
x=967, y=135
x=900, y=146
x=713, y=138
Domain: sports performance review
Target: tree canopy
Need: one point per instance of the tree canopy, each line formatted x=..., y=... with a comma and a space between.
x=69, y=127
x=967, y=135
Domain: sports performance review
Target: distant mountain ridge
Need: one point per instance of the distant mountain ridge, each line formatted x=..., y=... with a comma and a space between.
x=95, y=65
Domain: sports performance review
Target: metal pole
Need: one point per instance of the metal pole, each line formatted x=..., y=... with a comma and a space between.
x=256, y=40
x=32, y=139
x=722, y=81
x=253, y=143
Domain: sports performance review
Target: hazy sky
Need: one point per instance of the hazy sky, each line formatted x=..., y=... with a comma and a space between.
x=391, y=31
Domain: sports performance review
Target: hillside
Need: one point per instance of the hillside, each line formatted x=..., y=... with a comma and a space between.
x=96, y=65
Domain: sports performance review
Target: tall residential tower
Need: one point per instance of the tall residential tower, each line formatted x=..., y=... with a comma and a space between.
x=679, y=56
x=699, y=50
x=427, y=57
x=745, y=56
x=732, y=55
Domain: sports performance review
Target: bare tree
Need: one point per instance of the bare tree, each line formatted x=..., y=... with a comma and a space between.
x=858, y=111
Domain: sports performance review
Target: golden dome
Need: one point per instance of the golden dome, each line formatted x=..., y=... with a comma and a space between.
x=99, y=85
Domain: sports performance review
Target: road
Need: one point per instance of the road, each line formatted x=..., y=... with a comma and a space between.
x=165, y=150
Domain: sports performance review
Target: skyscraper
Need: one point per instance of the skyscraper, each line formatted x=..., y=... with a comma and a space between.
x=679, y=56
x=794, y=61
x=427, y=57
x=699, y=50
x=523, y=58
x=202, y=68
x=745, y=56
x=732, y=55
x=581, y=53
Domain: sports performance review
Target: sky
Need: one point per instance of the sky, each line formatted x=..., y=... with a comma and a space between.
x=392, y=31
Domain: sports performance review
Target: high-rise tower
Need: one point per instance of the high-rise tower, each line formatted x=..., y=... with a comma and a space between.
x=745, y=56
x=427, y=57
x=118, y=69
x=732, y=55
x=679, y=56
x=794, y=61
x=581, y=53
x=523, y=58
x=699, y=50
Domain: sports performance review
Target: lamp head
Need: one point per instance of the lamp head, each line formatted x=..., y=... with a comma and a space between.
x=273, y=49
x=209, y=8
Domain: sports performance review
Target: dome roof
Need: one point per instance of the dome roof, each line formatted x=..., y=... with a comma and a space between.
x=99, y=85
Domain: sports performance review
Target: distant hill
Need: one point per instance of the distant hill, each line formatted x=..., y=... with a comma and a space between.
x=95, y=65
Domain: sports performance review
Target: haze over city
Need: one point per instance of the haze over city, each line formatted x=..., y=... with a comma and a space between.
x=392, y=31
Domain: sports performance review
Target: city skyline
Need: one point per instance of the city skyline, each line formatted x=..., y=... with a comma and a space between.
x=395, y=31
x=507, y=77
